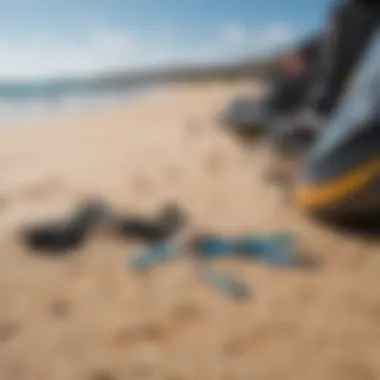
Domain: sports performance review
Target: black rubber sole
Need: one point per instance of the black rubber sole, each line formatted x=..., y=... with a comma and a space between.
x=66, y=234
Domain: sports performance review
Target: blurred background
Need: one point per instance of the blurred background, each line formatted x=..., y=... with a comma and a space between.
x=139, y=139
x=66, y=56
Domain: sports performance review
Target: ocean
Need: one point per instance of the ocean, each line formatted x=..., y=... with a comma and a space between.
x=18, y=107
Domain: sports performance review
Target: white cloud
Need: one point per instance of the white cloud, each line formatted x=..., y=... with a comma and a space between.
x=107, y=49
x=41, y=55
x=235, y=34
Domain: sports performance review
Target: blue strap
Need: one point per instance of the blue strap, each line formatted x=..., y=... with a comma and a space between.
x=155, y=255
x=226, y=284
x=273, y=249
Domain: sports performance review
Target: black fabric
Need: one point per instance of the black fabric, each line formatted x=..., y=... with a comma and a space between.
x=289, y=92
x=310, y=48
x=350, y=27
x=344, y=43
x=159, y=228
x=61, y=236
x=293, y=137
x=331, y=57
x=66, y=234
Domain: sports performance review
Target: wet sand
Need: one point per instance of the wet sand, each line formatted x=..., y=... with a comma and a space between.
x=89, y=317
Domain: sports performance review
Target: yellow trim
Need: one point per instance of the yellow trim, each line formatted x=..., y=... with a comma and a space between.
x=311, y=196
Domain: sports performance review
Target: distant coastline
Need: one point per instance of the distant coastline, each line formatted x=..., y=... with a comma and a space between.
x=112, y=82
x=22, y=102
x=249, y=68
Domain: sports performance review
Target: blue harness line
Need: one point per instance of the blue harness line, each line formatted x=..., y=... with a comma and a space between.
x=273, y=249
x=276, y=249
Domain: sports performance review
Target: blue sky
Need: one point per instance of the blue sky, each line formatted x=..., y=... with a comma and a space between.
x=55, y=37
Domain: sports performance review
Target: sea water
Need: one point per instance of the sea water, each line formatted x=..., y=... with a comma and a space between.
x=30, y=109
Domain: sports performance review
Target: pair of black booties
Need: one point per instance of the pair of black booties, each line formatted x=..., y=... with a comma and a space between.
x=70, y=232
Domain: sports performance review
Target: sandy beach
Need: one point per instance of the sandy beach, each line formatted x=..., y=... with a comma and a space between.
x=91, y=318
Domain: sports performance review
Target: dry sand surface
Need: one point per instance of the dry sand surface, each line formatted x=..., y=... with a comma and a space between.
x=90, y=318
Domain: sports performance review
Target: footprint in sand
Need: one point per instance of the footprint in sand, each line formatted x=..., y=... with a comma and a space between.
x=142, y=184
x=60, y=308
x=41, y=189
x=215, y=162
x=374, y=311
x=102, y=375
x=8, y=331
x=184, y=316
x=235, y=346
x=153, y=332
x=142, y=371
x=351, y=370
x=261, y=334
x=186, y=313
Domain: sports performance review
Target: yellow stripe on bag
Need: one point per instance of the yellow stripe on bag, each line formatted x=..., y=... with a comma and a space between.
x=309, y=196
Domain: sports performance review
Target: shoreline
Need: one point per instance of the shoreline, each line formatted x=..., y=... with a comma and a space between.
x=50, y=110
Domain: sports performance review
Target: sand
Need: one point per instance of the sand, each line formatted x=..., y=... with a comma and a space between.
x=91, y=318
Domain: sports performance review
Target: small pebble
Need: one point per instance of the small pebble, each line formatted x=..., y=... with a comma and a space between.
x=103, y=375
x=234, y=347
x=187, y=313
